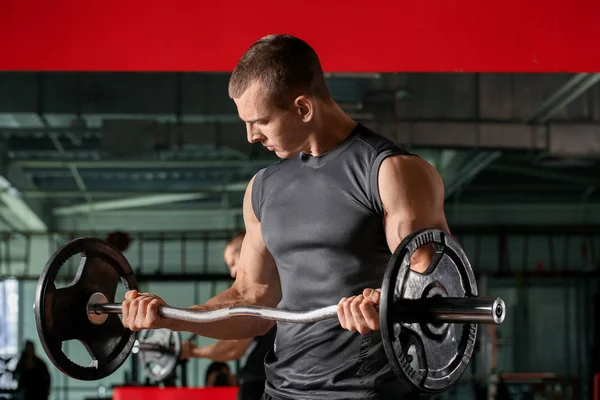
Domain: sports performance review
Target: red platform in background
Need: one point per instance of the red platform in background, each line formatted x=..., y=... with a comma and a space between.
x=154, y=393
x=349, y=35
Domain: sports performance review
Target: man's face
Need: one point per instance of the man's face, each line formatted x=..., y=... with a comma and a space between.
x=281, y=131
x=232, y=256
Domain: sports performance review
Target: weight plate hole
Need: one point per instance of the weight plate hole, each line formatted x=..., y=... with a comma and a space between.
x=77, y=353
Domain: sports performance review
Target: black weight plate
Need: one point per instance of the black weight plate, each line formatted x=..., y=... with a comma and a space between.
x=61, y=314
x=160, y=363
x=427, y=358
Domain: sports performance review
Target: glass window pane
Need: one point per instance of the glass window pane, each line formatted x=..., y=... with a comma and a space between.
x=9, y=313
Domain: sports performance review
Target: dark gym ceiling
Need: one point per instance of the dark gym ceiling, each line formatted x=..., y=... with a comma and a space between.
x=72, y=142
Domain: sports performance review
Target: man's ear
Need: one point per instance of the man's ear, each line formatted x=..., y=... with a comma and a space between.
x=305, y=108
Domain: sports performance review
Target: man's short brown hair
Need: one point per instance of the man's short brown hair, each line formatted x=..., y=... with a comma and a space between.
x=285, y=65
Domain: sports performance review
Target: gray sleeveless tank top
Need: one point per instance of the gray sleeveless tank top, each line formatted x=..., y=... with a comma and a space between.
x=321, y=219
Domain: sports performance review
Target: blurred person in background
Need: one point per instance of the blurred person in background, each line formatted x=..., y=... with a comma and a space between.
x=32, y=374
x=252, y=375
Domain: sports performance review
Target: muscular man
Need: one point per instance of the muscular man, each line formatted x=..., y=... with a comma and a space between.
x=321, y=225
x=252, y=375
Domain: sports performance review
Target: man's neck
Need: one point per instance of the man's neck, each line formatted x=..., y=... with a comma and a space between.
x=332, y=128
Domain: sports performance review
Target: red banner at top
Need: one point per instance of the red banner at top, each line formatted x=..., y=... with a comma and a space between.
x=349, y=35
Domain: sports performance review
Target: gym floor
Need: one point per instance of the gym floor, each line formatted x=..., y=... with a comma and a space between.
x=160, y=156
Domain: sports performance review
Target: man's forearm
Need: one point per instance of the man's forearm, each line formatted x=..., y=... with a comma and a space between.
x=204, y=352
x=234, y=328
x=223, y=350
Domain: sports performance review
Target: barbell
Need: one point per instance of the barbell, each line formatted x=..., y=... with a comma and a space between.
x=428, y=321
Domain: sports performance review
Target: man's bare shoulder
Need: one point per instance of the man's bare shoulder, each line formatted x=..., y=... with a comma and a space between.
x=409, y=169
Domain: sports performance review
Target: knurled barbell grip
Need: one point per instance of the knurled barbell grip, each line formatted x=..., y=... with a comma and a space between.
x=483, y=310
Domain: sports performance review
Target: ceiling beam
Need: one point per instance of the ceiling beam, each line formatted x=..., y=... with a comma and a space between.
x=133, y=202
x=23, y=214
x=144, y=201
x=546, y=175
x=146, y=164
x=482, y=214
x=71, y=194
x=11, y=197
x=555, y=138
x=572, y=89
x=470, y=170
